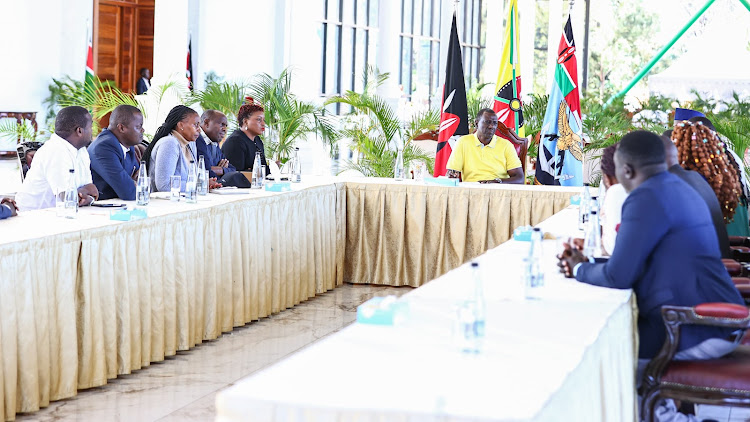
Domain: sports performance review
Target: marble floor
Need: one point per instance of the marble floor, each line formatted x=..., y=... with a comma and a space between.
x=184, y=387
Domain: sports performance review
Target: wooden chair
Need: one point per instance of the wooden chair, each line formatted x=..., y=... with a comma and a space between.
x=721, y=381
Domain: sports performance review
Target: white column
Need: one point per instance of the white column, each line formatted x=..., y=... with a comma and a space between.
x=171, y=27
x=527, y=18
x=388, y=58
x=496, y=12
x=553, y=37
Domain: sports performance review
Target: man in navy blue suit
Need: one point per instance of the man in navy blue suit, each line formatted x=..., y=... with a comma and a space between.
x=667, y=251
x=8, y=208
x=113, y=162
x=213, y=129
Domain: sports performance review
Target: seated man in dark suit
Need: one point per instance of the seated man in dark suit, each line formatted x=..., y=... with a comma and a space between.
x=8, y=208
x=113, y=161
x=666, y=251
x=213, y=129
x=697, y=182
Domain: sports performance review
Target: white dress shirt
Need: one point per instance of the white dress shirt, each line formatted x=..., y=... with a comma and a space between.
x=50, y=173
x=612, y=215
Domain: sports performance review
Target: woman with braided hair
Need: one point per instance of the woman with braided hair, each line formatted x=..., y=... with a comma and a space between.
x=240, y=147
x=172, y=151
x=699, y=149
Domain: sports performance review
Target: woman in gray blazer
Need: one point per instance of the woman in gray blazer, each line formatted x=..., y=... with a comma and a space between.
x=172, y=151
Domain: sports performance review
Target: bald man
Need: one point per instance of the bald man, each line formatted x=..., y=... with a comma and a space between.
x=113, y=161
x=213, y=129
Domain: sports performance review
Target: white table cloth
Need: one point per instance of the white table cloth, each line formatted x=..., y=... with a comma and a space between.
x=87, y=299
x=567, y=357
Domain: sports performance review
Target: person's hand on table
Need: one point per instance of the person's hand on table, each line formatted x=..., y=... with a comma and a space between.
x=85, y=199
x=569, y=258
x=452, y=174
x=87, y=194
x=12, y=204
x=213, y=184
x=491, y=181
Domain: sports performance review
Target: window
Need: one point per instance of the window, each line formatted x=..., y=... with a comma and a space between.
x=420, y=50
x=348, y=39
x=473, y=38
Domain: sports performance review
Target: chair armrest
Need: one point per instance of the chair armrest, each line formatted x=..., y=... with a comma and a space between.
x=726, y=315
x=739, y=241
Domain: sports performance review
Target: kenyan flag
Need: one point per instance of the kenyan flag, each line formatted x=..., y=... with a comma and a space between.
x=89, y=80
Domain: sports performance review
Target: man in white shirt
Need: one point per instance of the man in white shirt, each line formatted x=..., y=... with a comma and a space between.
x=63, y=152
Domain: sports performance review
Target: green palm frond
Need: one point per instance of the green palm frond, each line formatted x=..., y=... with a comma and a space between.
x=226, y=97
x=533, y=113
x=422, y=122
x=99, y=100
x=288, y=118
x=12, y=130
x=735, y=129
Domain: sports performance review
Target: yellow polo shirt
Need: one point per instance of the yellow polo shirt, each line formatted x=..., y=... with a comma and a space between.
x=478, y=162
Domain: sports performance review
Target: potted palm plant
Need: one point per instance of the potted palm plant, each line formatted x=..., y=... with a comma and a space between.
x=289, y=119
x=376, y=132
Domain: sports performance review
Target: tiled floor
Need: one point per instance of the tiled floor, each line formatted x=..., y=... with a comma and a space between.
x=184, y=387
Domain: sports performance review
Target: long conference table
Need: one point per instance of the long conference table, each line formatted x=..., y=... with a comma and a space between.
x=85, y=300
x=568, y=356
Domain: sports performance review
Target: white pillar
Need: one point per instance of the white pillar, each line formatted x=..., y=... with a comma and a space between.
x=553, y=38
x=527, y=18
x=171, y=27
x=496, y=12
x=388, y=57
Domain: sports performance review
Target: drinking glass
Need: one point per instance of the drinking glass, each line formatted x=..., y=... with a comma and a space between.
x=262, y=177
x=143, y=191
x=419, y=171
x=175, y=183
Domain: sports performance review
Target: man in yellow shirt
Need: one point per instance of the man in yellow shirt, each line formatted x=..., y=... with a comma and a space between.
x=484, y=157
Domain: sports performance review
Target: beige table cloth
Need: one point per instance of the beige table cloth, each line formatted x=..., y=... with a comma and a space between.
x=405, y=233
x=88, y=299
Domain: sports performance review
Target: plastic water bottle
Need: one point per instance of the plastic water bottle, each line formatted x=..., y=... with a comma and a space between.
x=398, y=167
x=257, y=182
x=143, y=187
x=201, y=184
x=480, y=312
x=592, y=239
x=533, y=273
x=296, y=167
x=583, y=208
x=191, y=185
x=472, y=316
x=71, y=196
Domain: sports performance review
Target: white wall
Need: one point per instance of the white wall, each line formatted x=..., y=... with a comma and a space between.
x=43, y=39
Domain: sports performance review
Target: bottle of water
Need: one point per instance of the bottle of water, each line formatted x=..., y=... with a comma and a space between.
x=592, y=239
x=398, y=167
x=71, y=196
x=534, y=275
x=142, y=187
x=583, y=208
x=480, y=312
x=191, y=184
x=201, y=184
x=472, y=316
x=296, y=167
x=257, y=182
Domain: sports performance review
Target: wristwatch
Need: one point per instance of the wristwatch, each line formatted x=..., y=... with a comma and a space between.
x=499, y=180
